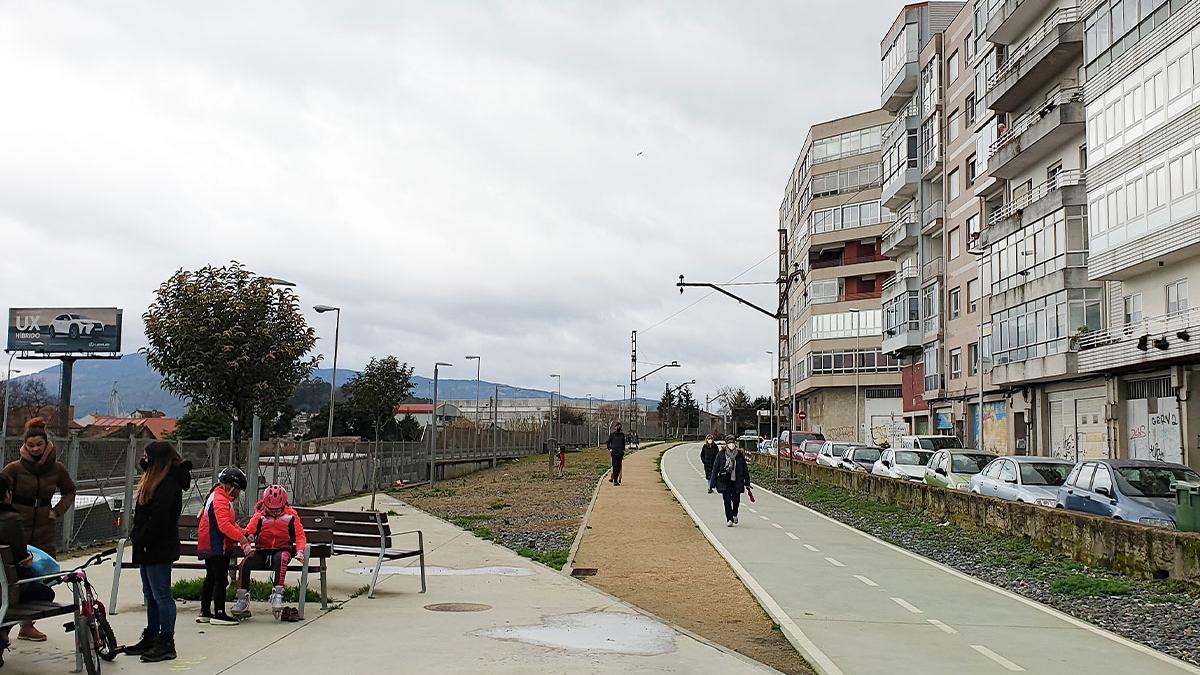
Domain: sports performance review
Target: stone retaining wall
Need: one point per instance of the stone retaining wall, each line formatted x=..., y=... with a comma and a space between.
x=1133, y=549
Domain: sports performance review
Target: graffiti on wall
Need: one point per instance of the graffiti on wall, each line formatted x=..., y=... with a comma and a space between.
x=1154, y=435
x=995, y=428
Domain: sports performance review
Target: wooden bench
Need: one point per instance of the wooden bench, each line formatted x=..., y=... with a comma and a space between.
x=13, y=612
x=367, y=533
x=318, y=530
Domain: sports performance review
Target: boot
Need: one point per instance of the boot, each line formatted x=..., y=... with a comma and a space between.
x=163, y=649
x=241, y=608
x=277, y=601
x=142, y=646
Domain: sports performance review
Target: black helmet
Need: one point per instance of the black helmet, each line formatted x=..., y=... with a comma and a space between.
x=232, y=476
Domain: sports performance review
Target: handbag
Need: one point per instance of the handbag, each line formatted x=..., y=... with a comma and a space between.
x=751, y=493
x=44, y=564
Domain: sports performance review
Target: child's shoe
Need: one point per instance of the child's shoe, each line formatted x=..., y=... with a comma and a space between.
x=241, y=608
x=222, y=619
x=277, y=601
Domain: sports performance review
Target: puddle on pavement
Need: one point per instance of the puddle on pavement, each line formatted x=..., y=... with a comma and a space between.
x=445, y=571
x=601, y=632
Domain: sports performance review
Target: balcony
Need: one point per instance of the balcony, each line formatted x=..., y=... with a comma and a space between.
x=1008, y=19
x=903, y=339
x=1121, y=347
x=842, y=261
x=901, y=185
x=931, y=270
x=867, y=295
x=1036, y=134
x=906, y=280
x=931, y=217
x=1035, y=369
x=1068, y=188
x=902, y=85
x=934, y=384
x=901, y=236
x=1043, y=56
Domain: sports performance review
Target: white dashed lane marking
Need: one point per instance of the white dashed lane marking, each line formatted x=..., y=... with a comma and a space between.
x=835, y=562
x=792, y=536
x=907, y=605
x=942, y=627
x=812, y=548
x=764, y=517
x=865, y=580
x=1008, y=665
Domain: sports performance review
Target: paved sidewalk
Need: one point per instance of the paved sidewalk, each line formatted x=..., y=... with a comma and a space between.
x=538, y=621
x=856, y=605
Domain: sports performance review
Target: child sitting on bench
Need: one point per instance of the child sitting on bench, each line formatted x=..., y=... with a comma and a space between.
x=278, y=539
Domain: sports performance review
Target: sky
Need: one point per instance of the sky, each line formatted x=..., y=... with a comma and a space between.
x=520, y=180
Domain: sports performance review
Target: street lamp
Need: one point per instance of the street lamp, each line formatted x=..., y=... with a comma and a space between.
x=858, y=425
x=337, y=329
x=773, y=401
x=433, y=422
x=478, y=361
x=277, y=282
x=552, y=416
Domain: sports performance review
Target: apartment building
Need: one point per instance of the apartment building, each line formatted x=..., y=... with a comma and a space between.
x=1142, y=112
x=1029, y=67
x=831, y=221
x=913, y=163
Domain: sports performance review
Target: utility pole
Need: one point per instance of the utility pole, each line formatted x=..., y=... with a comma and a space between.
x=633, y=380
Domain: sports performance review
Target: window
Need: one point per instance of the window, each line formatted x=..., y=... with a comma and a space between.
x=955, y=246
x=971, y=170
x=1177, y=300
x=1007, y=473
x=970, y=46
x=955, y=303
x=955, y=363
x=1133, y=308
x=1084, y=480
x=952, y=66
x=972, y=295
x=954, y=187
x=1103, y=479
x=973, y=227
x=973, y=358
x=970, y=108
x=952, y=126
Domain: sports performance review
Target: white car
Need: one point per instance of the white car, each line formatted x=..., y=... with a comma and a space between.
x=905, y=464
x=75, y=325
x=859, y=457
x=767, y=446
x=831, y=453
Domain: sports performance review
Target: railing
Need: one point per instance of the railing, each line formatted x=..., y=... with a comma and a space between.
x=839, y=262
x=1063, y=179
x=902, y=275
x=868, y=295
x=932, y=212
x=1167, y=326
x=900, y=124
x=932, y=269
x=1024, y=122
x=1060, y=16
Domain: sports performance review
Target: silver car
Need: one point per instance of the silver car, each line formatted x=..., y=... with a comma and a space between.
x=860, y=457
x=1033, y=480
x=831, y=453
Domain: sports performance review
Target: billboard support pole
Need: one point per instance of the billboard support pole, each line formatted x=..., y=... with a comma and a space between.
x=64, y=395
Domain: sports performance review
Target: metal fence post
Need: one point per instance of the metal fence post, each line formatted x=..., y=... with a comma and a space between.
x=68, y=519
x=131, y=462
x=252, y=464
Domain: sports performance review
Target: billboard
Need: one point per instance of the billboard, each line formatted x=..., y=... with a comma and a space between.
x=65, y=330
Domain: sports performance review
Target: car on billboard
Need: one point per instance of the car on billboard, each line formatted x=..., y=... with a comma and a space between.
x=75, y=325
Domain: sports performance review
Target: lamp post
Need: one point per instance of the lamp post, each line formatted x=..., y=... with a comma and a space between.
x=434, y=422
x=478, y=433
x=771, y=409
x=556, y=421
x=858, y=425
x=7, y=391
x=337, y=329
x=979, y=254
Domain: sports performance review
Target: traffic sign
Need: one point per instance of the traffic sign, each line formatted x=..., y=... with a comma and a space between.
x=801, y=415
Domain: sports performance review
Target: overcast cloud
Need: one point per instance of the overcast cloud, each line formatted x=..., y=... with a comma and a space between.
x=459, y=177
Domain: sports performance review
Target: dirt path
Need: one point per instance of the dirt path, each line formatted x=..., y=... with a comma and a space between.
x=647, y=551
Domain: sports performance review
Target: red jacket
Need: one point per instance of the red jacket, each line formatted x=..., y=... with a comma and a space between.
x=284, y=532
x=219, y=532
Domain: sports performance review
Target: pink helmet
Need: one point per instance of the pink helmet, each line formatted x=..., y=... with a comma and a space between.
x=274, y=497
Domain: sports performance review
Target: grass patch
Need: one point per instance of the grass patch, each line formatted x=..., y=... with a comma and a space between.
x=471, y=524
x=362, y=590
x=260, y=591
x=498, y=504
x=1084, y=586
x=556, y=559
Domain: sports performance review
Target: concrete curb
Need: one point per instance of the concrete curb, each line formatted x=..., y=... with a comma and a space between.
x=570, y=566
x=809, y=650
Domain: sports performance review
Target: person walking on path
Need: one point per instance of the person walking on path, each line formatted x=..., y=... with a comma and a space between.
x=730, y=477
x=155, y=536
x=708, y=454
x=35, y=477
x=616, y=448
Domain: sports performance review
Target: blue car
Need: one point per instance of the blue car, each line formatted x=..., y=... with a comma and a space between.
x=1136, y=490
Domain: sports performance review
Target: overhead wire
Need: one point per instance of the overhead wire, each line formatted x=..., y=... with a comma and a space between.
x=706, y=295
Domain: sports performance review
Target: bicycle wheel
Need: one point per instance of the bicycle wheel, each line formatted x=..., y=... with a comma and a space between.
x=106, y=642
x=85, y=643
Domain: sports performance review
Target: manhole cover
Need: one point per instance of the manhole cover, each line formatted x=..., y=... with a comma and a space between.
x=584, y=572
x=458, y=607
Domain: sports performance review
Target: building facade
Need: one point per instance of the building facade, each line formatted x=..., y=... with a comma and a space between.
x=1142, y=108
x=831, y=221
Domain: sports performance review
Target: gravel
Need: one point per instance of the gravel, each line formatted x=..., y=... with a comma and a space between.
x=1164, y=615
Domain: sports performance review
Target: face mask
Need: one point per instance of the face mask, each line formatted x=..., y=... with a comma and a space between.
x=144, y=463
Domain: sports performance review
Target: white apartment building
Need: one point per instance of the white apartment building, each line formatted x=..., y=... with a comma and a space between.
x=1142, y=101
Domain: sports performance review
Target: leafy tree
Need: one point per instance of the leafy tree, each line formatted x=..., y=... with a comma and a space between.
x=202, y=422
x=666, y=408
x=571, y=415
x=30, y=393
x=374, y=393
x=282, y=425
x=409, y=429
x=318, y=424
x=227, y=339
x=736, y=403
x=313, y=393
x=689, y=410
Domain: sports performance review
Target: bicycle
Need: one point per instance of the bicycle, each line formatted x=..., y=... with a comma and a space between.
x=94, y=636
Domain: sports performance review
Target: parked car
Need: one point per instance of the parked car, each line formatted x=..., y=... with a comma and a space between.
x=75, y=325
x=859, y=457
x=808, y=450
x=953, y=467
x=767, y=446
x=1137, y=490
x=902, y=464
x=930, y=442
x=831, y=453
x=1033, y=480
x=788, y=438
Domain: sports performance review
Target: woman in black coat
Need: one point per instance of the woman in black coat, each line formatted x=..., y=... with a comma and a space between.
x=731, y=477
x=156, y=545
x=708, y=453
